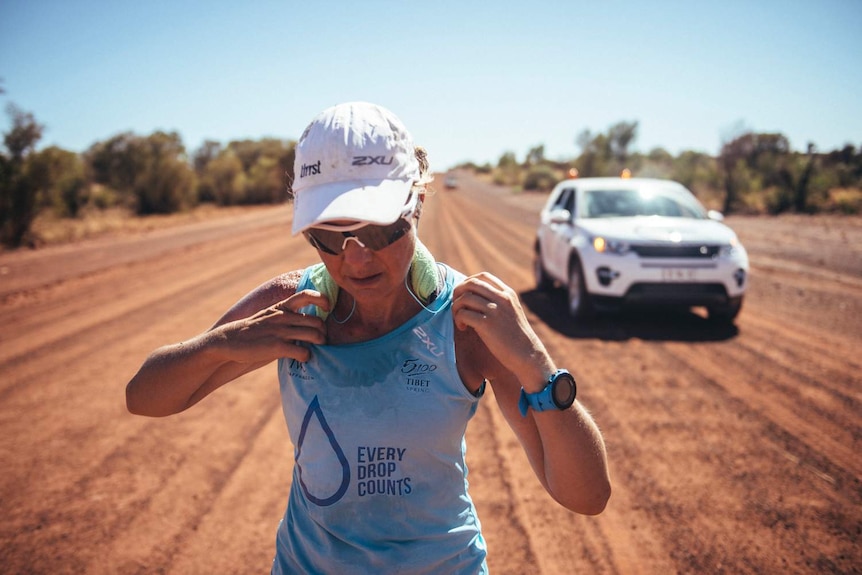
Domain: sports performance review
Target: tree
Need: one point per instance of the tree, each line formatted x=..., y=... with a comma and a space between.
x=844, y=167
x=620, y=137
x=800, y=198
x=535, y=155
x=657, y=164
x=18, y=193
x=795, y=175
x=58, y=176
x=117, y=162
x=508, y=171
x=152, y=172
x=752, y=162
x=605, y=154
x=699, y=173
x=166, y=184
x=208, y=151
x=540, y=178
x=265, y=181
x=593, y=151
x=224, y=179
x=267, y=167
x=201, y=161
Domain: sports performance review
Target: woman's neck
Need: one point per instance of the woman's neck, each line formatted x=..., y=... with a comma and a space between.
x=354, y=321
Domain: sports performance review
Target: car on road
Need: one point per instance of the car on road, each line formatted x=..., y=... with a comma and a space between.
x=618, y=242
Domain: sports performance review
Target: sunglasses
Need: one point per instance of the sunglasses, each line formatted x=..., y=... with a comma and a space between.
x=334, y=242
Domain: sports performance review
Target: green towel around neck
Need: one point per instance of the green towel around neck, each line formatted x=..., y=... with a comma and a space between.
x=423, y=278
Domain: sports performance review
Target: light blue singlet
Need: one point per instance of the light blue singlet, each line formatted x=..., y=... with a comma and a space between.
x=379, y=480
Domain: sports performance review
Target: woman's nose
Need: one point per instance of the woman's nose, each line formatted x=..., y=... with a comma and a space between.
x=348, y=239
x=355, y=251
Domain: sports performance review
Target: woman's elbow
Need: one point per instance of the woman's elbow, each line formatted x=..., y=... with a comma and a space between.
x=599, y=501
x=588, y=502
x=134, y=403
x=138, y=402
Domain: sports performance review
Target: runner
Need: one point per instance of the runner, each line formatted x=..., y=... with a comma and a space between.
x=383, y=355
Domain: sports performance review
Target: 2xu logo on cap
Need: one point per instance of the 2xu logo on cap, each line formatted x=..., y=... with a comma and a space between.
x=370, y=160
x=314, y=169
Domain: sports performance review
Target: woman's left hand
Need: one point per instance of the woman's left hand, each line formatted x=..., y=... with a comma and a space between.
x=485, y=304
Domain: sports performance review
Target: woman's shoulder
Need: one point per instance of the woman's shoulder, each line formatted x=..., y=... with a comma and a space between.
x=285, y=282
x=263, y=296
x=276, y=289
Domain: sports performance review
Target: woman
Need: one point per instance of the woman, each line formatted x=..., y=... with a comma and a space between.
x=383, y=355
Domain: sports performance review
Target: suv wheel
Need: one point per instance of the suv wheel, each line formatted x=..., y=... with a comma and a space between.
x=578, y=298
x=543, y=280
x=725, y=314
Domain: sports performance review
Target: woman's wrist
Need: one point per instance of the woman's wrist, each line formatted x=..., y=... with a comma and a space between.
x=534, y=376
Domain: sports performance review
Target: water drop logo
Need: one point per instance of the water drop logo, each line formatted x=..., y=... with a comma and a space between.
x=315, y=414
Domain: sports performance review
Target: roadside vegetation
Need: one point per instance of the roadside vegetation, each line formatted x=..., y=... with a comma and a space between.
x=754, y=173
x=128, y=175
x=133, y=175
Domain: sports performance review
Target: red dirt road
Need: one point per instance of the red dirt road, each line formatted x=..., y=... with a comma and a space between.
x=732, y=450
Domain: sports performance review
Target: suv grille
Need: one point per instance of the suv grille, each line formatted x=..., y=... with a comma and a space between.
x=703, y=251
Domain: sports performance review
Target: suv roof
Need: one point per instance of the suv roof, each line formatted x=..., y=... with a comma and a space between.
x=618, y=183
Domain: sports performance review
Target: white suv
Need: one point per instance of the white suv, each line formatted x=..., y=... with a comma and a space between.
x=614, y=241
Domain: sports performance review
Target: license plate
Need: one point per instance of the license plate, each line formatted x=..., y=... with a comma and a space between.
x=678, y=274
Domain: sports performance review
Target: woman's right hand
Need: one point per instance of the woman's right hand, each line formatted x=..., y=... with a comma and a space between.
x=177, y=376
x=280, y=330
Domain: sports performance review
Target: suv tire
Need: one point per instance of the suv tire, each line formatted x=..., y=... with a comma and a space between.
x=725, y=314
x=543, y=280
x=578, y=299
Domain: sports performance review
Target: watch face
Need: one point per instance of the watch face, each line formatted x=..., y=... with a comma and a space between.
x=564, y=391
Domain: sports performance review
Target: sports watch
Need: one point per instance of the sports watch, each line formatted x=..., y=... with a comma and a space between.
x=559, y=393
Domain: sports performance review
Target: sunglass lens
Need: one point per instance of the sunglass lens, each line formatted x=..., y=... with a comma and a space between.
x=371, y=236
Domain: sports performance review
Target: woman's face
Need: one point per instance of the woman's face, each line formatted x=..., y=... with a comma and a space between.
x=370, y=275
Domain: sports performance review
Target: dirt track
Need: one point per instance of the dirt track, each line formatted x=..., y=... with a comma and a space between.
x=732, y=450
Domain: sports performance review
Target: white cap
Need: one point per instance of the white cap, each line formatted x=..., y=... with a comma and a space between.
x=355, y=161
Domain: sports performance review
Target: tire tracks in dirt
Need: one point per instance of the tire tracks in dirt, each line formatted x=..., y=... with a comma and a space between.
x=196, y=491
x=183, y=286
x=92, y=332
x=493, y=493
x=560, y=541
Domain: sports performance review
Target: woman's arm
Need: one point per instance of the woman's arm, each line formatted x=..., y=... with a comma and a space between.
x=263, y=326
x=565, y=448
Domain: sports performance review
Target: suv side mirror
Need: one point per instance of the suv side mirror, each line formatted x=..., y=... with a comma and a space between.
x=561, y=216
x=714, y=215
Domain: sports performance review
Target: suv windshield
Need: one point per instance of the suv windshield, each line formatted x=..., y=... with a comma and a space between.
x=626, y=203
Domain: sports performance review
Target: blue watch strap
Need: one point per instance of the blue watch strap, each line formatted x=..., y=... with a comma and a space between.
x=539, y=401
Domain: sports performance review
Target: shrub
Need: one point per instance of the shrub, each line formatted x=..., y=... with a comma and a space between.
x=845, y=200
x=540, y=178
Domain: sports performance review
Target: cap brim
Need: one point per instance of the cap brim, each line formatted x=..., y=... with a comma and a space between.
x=379, y=202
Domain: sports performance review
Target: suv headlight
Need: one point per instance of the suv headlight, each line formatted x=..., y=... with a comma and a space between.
x=727, y=250
x=607, y=245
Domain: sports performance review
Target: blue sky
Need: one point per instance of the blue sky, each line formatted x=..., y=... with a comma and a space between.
x=471, y=80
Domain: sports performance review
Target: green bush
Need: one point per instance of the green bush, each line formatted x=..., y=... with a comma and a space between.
x=845, y=201
x=540, y=178
x=167, y=187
